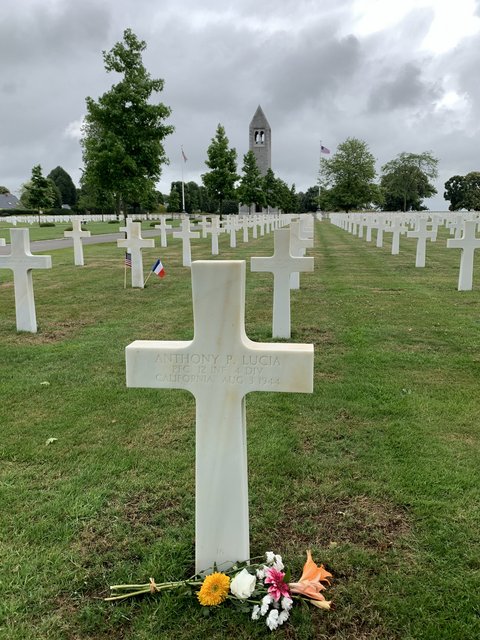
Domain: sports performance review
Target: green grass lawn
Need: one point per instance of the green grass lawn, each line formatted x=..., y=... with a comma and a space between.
x=377, y=471
x=50, y=233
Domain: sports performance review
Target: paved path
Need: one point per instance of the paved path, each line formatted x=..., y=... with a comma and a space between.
x=64, y=243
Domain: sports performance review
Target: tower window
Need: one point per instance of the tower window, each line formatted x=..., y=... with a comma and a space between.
x=259, y=137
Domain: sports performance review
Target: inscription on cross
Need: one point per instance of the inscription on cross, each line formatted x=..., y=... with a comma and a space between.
x=21, y=262
x=219, y=367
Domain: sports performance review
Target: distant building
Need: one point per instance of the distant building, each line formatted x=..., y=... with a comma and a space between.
x=260, y=140
x=8, y=201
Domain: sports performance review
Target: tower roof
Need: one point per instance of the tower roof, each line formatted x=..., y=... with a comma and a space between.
x=259, y=120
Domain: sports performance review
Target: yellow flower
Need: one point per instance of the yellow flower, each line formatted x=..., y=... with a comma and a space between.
x=214, y=589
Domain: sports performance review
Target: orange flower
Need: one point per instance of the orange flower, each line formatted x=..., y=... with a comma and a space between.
x=309, y=584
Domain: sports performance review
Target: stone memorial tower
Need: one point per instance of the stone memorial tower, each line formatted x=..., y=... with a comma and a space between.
x=260, y=140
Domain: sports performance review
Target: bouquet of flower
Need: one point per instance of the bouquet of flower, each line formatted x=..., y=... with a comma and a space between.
x=261, y=588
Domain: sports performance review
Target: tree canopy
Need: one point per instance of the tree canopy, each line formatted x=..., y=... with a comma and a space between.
x=222, y=162
x=463, y=192
x=64, y=182
x=251, y=188
x=405, y=181
x=123, y=131
x=40, y=192
x=349, y=175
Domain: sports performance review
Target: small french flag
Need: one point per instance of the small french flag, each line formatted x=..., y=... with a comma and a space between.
x=158, y=269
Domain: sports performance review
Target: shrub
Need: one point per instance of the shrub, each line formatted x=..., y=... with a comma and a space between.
x=47, y=224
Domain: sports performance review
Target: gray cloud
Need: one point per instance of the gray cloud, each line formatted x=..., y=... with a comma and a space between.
x=315, y=77
x=404, y=88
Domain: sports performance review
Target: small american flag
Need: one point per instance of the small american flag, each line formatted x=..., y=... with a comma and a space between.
x=183, y=155
x=128, y=260
x=324, y=149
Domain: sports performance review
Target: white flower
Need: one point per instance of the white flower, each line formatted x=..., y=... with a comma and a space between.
x=266, y=602
x=272, y=619
x=286, y=603
x=270, y=557
x=283, y=617
x=256, y=612
x=278, y=563
x=261, y=573
x=243, y=585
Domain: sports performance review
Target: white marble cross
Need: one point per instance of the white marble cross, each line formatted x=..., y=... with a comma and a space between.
x=21, y=261
x=219, y=367
x=215, y=230
x=422, y=234
x=204, y=226
x=245, y=226
x=163, y=226
x=125, y=229
x=467, y=243
x=380, y=226
x=231, y=228
x=134, y=243
x=369, y=222
x=77, y=234
x=281, y=264
x=186, y=235
x=298, y=245
x=397, y=228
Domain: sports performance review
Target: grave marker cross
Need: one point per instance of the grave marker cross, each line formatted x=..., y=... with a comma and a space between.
x=77, y=234
x=422, y=234
x=282, y=264
x=298, y=245
x=163, y=226
x=185, y=234
x=219, y=367
x=21, y=261
x=134, y=243
x=467, y=243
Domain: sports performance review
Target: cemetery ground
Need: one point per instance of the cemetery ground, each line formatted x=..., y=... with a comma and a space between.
x=96, y=228
x=377, y=471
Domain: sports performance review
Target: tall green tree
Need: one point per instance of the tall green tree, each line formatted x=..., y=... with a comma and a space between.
x=308, y=201
x=472, y=196
x=455, y=191
x=287, y=197
x=64, y=182
x=406, y=180
x=349, y=174
x=39, y=193
x=250, y=190
x=124, y=130
x=270, y=189
x=222, y=162
x=173, y=201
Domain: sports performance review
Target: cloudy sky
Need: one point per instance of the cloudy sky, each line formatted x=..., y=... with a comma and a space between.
x=403, y=75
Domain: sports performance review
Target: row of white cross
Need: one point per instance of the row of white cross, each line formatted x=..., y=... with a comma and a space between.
x=286, y=260
x=423, y=227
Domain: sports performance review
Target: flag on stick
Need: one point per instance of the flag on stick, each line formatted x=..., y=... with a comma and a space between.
x=183, y=155
x=158, y=269
x=324, y=149
x=128, y=260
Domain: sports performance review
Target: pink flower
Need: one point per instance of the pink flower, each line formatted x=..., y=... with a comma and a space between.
x=278, y=587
